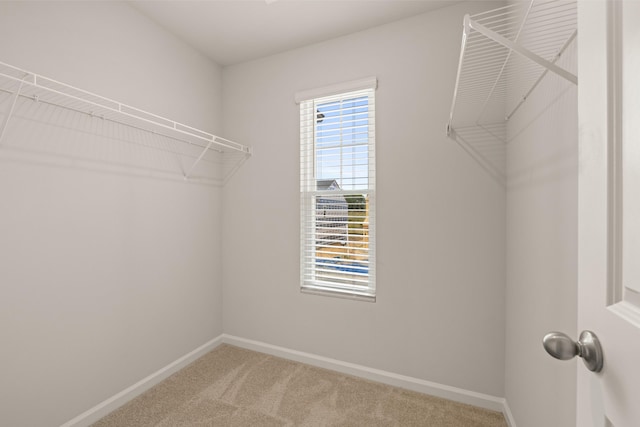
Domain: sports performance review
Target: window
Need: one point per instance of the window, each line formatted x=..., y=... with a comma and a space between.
x=337, y=190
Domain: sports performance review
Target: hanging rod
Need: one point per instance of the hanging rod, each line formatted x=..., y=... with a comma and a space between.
x=538, y=32
x=43, y=89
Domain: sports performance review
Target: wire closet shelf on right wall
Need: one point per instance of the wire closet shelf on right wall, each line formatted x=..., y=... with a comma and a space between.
x=514, y=46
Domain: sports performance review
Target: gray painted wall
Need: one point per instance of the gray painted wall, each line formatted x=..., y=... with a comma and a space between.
x=541, y=294
x=439, y=314
x=105, y=277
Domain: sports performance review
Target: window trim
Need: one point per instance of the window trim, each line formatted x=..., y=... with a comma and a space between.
x=336, y=89
x=344, y=291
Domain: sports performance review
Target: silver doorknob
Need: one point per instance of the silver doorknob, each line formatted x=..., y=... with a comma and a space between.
x=588, y=347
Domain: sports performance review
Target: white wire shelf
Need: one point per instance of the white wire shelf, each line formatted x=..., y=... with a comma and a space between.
x=514, y=46
x=40, y=102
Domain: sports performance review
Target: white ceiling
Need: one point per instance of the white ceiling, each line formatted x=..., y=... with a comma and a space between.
x=233, y=31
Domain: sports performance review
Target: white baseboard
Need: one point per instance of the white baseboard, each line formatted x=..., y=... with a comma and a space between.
x=415, y=384
x=100, y=410
x=427, y=387
x=511, y=422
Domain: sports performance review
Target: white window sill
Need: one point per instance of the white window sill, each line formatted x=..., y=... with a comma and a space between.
x=337, y=293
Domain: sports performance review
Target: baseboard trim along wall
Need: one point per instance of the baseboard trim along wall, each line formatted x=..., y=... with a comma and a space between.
x=415, y=384
x=511, y=422
x=427, y=387
x=102, y=409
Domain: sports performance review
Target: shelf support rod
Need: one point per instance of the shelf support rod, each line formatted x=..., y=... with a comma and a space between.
x=235, y=168
x=523, y=51
x=465, y=35
x=504, y=64
x=5, y=122
x=544, y=73
x=186, y=176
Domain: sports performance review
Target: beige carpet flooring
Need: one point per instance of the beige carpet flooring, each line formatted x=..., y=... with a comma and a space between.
x=234, y=387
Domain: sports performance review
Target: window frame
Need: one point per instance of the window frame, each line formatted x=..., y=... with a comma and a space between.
x=309, y=192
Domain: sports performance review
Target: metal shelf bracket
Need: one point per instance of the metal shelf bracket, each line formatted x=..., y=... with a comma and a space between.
x=523, y=51
x=505, y=50
x=12, y=107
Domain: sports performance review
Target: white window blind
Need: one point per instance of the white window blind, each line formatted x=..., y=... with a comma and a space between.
x=337, y=172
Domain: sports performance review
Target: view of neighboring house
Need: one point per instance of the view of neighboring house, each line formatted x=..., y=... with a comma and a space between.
x=342, y=238
x=332, y=214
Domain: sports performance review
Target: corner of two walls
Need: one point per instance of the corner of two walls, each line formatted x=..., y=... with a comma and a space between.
x=541, y=292
x=106, y=277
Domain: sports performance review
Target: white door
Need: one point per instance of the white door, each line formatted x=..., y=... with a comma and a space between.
x=609, y=209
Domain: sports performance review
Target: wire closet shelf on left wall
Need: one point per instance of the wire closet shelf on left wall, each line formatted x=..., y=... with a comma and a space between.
x=186, y=152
